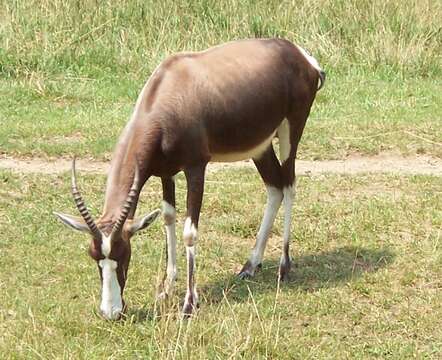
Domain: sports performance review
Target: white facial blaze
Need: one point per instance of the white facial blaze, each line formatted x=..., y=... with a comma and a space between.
x=106, y=245
x=274, y=198
x=111, y=301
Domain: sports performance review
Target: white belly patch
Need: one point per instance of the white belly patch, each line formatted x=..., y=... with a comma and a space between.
x=253, y=153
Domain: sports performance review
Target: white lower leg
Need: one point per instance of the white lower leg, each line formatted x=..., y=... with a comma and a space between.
x=285, y=149
x=190, y=235
x=274, y=198
x=191, y=293
x=288, y=203
x=169, y=214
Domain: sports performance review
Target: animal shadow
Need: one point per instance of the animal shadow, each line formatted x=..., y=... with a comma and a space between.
x=309, y=273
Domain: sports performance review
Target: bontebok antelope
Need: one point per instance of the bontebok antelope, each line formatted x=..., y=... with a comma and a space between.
x=223, y=104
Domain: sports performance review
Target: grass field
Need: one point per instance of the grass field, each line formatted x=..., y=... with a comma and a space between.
x=350, y=115
x=367, y=248
x=70, y=72
x=367, y=285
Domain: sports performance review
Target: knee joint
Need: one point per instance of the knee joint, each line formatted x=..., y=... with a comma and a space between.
x=190, y=233
x=169, y=213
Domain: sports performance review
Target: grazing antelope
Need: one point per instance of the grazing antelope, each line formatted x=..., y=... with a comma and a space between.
x=223, y=104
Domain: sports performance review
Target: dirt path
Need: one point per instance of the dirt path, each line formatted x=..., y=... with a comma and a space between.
x=385, y=163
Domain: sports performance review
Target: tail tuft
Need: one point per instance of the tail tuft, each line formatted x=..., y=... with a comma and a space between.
x=322, y=79
x=315, y=64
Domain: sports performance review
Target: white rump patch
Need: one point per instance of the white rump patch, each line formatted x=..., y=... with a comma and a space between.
x=310, y=58
x=111, y=301
x=253, y=153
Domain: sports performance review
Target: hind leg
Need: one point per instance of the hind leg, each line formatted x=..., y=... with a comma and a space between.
x=287, y=169
x=289, y=133
x=270, y=171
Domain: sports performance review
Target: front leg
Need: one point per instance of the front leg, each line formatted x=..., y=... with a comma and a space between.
x=169, y=216
x=195, y=189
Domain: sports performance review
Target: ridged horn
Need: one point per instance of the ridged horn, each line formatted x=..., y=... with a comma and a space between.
x=133, y=192
x=79, y=202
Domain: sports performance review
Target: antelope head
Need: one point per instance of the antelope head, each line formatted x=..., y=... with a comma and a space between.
x=110, y=244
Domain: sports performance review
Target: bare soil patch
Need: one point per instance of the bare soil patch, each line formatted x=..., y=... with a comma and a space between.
x=355, y=164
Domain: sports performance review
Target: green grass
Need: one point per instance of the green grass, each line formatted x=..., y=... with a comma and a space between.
x=366, y=283
x=367, y=249
x=67, y=116
x=70, y=71
x=83, y=37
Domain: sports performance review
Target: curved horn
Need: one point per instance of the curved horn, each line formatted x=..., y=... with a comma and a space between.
x=79, y=202
x=130, y=200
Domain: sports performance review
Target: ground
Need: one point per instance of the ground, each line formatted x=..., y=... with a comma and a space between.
x=365, y=281
x=366, y=236
x=354, y=164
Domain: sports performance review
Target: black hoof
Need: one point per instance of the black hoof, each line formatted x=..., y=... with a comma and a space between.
x=188, y=310
x=248, y=271
x=284, y=271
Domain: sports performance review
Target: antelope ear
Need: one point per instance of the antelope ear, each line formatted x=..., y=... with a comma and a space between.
x=74, y=222
x=143, y=222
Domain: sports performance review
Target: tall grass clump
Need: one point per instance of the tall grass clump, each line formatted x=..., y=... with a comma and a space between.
x=109, y=38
